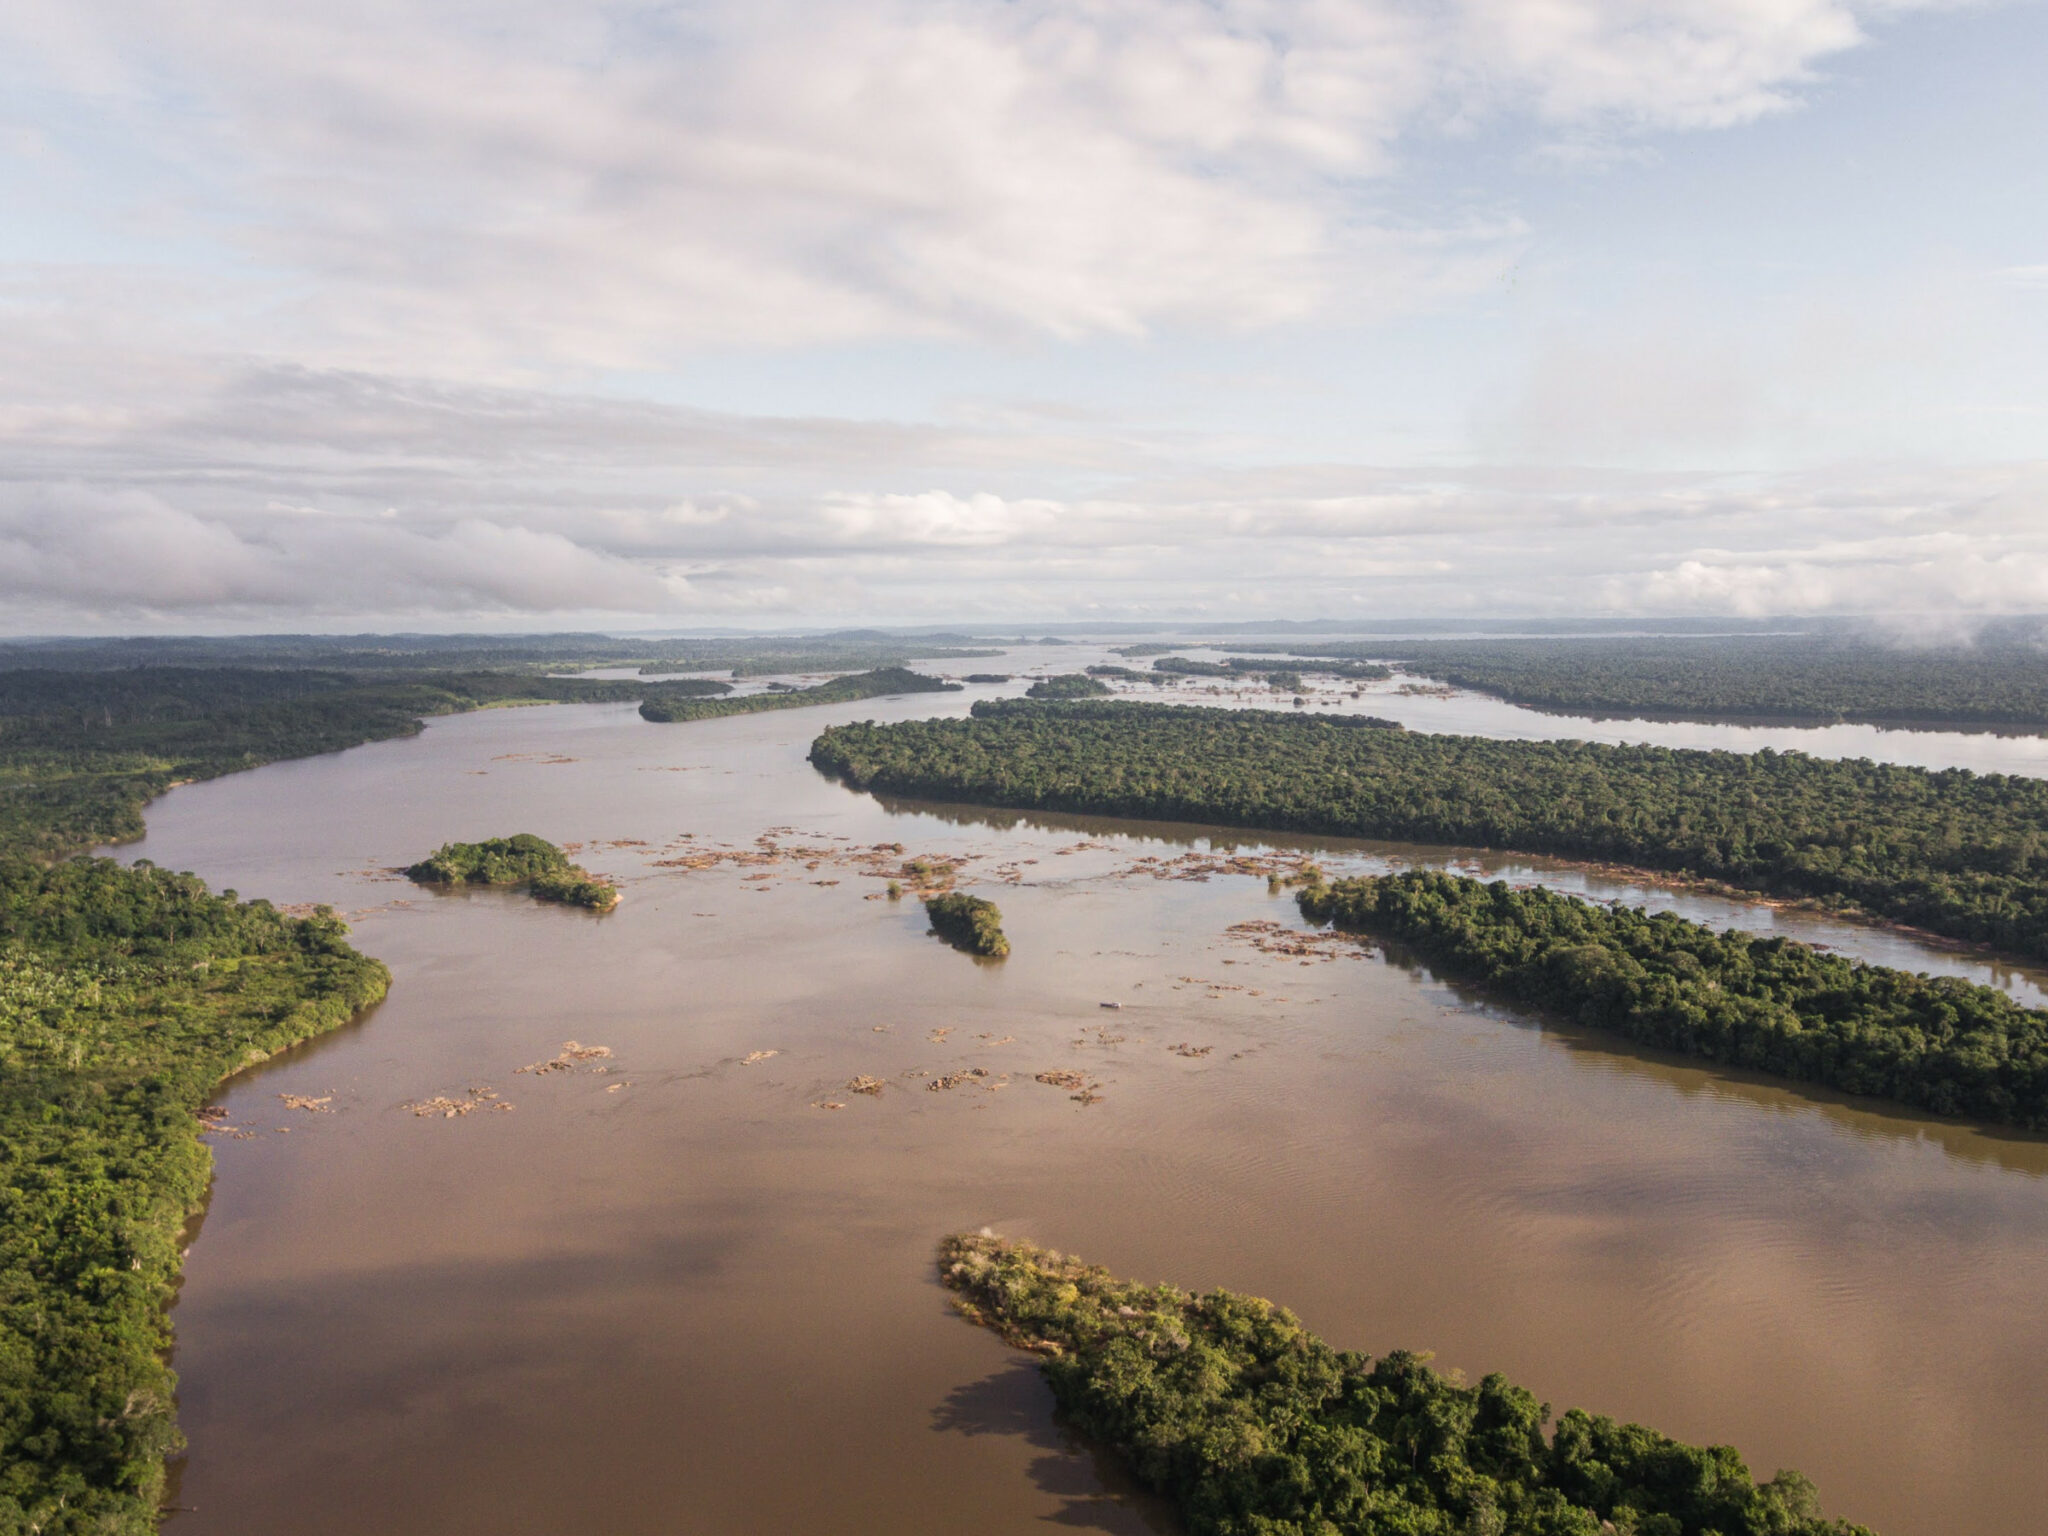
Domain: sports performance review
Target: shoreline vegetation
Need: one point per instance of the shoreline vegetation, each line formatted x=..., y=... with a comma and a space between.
x=1958, y=854
x=91, y=731
x=969, y=923
x=881, y=683
x=83, y=752
x=1999, y=683
x=1769, y=1005
x=126, y=996
x=521, y=859
x=1253, y=1426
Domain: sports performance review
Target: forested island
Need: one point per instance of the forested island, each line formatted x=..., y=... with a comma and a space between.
x=1067, y=685
x=1767, y=1004
x=840, y=690
x=1272, y=668
x=969, y=923
x=1753, y=678
x=1253, y=1426
x=1960, y=854
x=521, y=859
x=126, y=995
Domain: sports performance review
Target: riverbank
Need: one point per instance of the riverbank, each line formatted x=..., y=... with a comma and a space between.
x=1251, y=1423
x=127, y=995
x=1962, y=855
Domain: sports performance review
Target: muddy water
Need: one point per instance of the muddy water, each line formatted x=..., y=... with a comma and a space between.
x=683, y=1296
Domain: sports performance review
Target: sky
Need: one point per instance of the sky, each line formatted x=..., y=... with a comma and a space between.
x=540, y=314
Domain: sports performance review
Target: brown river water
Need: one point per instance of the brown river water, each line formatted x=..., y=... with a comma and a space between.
x=682, y=1295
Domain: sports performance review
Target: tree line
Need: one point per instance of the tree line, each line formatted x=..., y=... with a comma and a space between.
x=82, y=752
x=521, y=859
x=126, y=994
x=1933, y=1043
x=1735, y=678
x=840, y=690
x=1961, y=854
x=1253, y=1426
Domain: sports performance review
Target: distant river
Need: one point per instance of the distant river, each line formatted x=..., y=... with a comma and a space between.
x=683, y=1295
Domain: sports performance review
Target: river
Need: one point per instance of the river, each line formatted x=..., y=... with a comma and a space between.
x=684, y=1294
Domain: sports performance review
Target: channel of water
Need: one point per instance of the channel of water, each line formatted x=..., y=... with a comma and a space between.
x=685, y=1295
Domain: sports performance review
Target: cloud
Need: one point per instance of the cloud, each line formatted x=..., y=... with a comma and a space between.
x=425, y=522
x=380, y=312
x=417, y=179
x=130, y=554
x=1964, y=580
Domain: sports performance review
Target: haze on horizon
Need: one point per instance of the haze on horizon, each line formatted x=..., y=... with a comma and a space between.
x=631, y=315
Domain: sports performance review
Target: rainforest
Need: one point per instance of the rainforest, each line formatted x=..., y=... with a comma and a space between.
x=840, y=690
x=1253, y=1426
x=126, y=994
x=1960, y=854
x=1931, y=1043
x=1985, y=686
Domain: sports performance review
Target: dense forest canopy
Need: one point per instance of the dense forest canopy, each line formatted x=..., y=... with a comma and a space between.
x=126, y=994
x=521, y=859
x=1253, y=1426
x=1763, y=677
x=81, y=753
x=1962, y=854
x=880, y=683
x=1940, y=1043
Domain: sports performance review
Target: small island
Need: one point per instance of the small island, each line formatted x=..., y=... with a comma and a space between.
x=1249, y=1423
x=880, y=683
x=1067, y=685
x=969, y=923
x=523, y=859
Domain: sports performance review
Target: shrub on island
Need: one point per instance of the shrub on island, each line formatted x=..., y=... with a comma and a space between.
x=969, y=923
x=523, y=859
